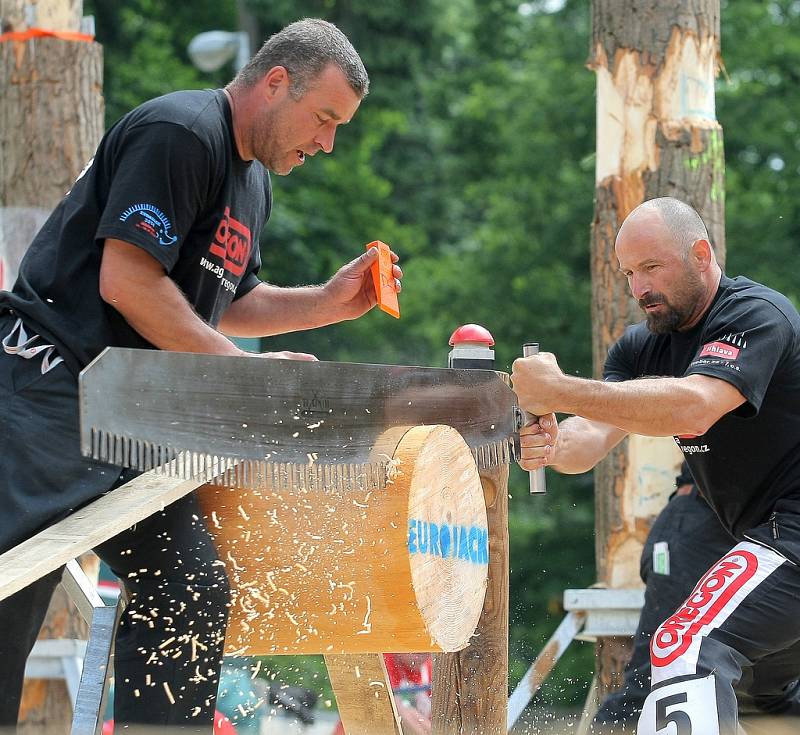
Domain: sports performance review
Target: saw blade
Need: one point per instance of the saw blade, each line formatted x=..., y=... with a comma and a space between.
x=281, y=422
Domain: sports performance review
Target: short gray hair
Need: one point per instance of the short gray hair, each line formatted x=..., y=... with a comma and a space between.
x=305, y=48
x=684, y=223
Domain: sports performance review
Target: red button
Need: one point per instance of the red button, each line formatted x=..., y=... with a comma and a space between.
x=474, y=333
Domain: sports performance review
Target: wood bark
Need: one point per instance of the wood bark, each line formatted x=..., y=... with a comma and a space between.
x=657, y=135
x=54, y=15
x=51, y=119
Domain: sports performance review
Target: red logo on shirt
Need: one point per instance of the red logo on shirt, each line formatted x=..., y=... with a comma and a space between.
x=232, y=243
x=720, y=349
x=710, y=598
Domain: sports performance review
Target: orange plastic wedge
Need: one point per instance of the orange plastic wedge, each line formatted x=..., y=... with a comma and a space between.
x=384, y=280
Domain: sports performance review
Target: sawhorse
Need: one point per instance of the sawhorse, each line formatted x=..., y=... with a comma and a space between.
x=83, y=665
x=59, y=546
x=591, y=613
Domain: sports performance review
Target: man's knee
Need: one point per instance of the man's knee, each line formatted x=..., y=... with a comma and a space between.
x=689, y=706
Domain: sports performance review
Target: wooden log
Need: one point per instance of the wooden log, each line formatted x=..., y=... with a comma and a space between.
x=363, y=694
x=55, y=15
x=470, y=687
x=399, y=569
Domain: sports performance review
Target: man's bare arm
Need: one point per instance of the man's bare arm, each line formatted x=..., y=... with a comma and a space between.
x=648, y=406
x=269, y=310
x=582, y=443
x=136, y=285
x=655, y=406
x=575, y=445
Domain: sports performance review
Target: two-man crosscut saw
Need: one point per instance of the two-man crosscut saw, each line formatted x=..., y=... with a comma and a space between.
x=282, y=422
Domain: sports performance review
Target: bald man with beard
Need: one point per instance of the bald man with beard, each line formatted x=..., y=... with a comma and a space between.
x=716, y=365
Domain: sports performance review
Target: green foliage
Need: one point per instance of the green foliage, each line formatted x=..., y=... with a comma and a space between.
x=144, y=43
x=758, y=106
x=551, y=541
x=308, y=672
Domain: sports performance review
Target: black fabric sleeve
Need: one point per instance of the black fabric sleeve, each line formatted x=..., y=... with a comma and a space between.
x=619, y=363
x=250, y=278
x=742, y=344
x=160, y=180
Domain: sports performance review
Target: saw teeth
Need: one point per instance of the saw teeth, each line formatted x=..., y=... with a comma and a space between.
x=491, y=455
x=145, y=456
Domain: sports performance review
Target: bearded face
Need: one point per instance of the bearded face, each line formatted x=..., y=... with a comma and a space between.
x=672, y=308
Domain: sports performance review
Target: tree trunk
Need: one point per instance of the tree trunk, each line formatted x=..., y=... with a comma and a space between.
x=51, y=120
x=62, y=15
x=248, y=23
x=657, y=135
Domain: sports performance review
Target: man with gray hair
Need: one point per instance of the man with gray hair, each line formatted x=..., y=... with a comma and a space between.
x=157, y=246
x=716, y=365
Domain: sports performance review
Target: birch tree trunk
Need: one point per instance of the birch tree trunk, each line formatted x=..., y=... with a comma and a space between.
x=51, y=120
x=657, y=135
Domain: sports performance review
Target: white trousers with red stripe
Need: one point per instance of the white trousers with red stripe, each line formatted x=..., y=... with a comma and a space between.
x=738, y=633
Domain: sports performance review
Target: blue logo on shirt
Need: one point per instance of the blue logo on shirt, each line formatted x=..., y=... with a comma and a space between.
x=152, y=221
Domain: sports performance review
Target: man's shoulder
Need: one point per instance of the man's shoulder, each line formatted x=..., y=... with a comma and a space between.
x=184, y=106
x=201, y=111
x=635, y=335
x=741, y=293
x=637, y=340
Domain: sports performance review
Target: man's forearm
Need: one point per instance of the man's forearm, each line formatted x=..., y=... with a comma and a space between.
x=268, y=310
x=168, y=321
x=582, y=443
x=649, y=406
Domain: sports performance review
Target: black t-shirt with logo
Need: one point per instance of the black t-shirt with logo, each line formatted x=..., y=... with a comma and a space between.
x=748, y=462
x=166, y=177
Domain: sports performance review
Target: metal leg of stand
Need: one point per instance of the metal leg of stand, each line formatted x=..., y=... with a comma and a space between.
x=87, y=718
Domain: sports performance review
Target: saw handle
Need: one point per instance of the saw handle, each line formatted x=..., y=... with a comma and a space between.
x=536, y=477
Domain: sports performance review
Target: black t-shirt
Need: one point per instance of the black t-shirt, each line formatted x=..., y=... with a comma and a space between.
x=750, y=337
x=167, y=177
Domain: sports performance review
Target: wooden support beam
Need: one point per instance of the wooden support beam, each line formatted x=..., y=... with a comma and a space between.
x=540, y=669
x=86, y=528
x=81, y=590
x=363, y=694
x=470, y=687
